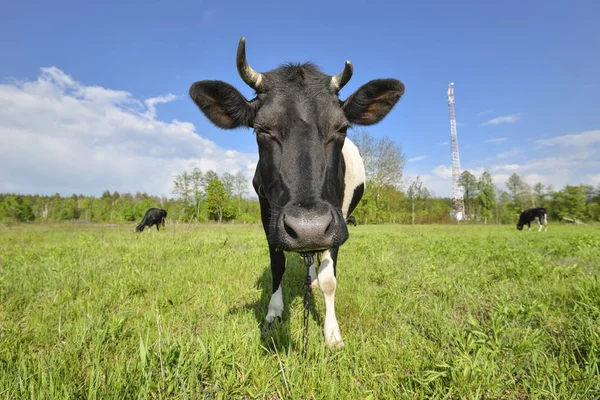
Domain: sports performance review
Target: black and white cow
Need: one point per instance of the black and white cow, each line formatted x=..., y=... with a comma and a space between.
x=309, y=176
x=154, y=216
x=528, y=216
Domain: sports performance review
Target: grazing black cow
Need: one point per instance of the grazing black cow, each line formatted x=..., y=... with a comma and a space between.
x=351, y=220
x=532, y=214
x=154, y=216
x=309, y=176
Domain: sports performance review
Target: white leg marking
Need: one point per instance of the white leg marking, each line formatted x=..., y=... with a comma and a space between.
x=540, y=224
x=328, y=284
x=313, y=276
x=275, y=306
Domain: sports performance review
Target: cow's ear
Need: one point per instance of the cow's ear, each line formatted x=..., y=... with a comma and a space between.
x=373, y=101
x=222, y=104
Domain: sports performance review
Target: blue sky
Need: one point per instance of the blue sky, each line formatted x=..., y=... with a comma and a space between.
x=526, y=84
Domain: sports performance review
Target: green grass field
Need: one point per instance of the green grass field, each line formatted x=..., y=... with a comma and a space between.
x=425, y=312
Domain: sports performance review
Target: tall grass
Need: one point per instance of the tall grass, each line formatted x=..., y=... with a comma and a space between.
x=425, y=312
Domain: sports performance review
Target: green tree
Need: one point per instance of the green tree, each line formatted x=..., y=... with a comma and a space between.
x=505, y=211
x=414, y=193
x=384, y=163
x=182, y=187
x=228, y=180
x=593, y=208
x=521, y=192
x=190, y=189
x=590, y=193
x=468, y=182
x=16, y=208
x=85, y=205
x=240, y=188
x=539, y=194
x=593, y=211
x=216, y=199
x=198, y=189
x=209, y=176
x=486, y=196
x=570, y=202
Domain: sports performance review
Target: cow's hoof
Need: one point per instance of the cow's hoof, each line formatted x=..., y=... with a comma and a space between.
x=333, y=338
x=271, y=321
x=336, y=345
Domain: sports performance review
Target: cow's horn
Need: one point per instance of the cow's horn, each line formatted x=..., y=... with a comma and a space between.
x=248, y=75
x=338, y=81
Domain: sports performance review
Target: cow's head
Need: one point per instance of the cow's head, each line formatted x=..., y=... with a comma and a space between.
x=520, y=226
x=300, y=125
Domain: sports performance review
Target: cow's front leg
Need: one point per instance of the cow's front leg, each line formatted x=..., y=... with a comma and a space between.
x=328, y=283
x=277, y=271
x=312, y=271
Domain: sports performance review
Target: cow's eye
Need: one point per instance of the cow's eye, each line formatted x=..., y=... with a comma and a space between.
x=338, y=136
x=340, y=133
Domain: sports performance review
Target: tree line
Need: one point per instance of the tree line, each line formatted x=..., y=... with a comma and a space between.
x=199, y=197
x=389, y=198
x=484, y=201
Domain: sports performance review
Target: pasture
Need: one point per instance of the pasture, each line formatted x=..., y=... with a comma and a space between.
x=425, y=312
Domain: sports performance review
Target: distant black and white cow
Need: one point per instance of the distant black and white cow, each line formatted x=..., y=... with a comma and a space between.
x=154, y=216
x=309, y=176
x=351, y=220
x=528, y=216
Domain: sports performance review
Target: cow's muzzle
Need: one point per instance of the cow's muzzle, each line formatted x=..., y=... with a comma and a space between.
x=313, y=228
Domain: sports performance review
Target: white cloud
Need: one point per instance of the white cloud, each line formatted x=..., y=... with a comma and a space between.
x=579, y=139
x=443, y=171
x=418, y=158
x=59, y=135
x=559, y=170
x=497, y=140
x=567, y=160
x=153, y=101
x=444, y=144
x=438, y=180
x=491, y=110
x=506, y=119
x=510, y=153
x=593, y=179
x=506, y=168
x=573, y=167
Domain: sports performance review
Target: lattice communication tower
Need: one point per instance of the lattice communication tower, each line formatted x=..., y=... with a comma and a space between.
x=458, y=203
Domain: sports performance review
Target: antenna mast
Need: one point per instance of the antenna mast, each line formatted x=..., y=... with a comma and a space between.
x=458, y=203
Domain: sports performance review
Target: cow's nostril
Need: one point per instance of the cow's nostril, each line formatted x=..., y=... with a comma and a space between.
x=330, y=225
x=289, y=230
